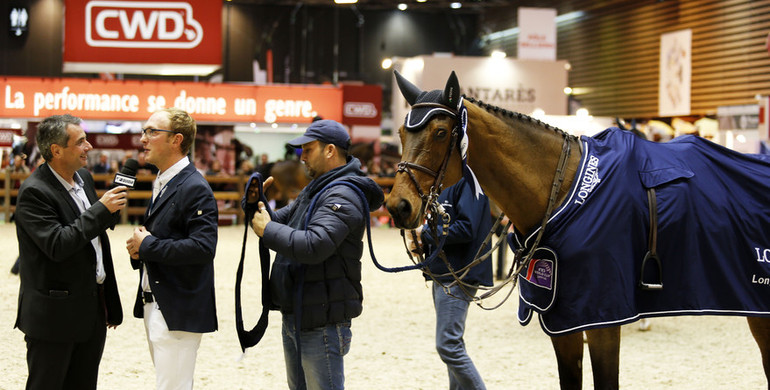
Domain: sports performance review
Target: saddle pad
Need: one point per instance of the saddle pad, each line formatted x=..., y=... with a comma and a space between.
x=713, y=217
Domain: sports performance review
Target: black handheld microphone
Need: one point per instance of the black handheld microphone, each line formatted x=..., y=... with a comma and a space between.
x=127, y=175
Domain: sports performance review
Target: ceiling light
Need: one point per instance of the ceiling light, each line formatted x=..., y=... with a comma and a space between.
x=345, y=1
x=456, y=5
x=402, y=7
x=387, y=63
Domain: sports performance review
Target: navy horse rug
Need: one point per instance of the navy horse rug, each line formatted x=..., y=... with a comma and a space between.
x=712, y=207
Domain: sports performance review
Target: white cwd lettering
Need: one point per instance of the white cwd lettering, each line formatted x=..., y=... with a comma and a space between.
x=138, y=22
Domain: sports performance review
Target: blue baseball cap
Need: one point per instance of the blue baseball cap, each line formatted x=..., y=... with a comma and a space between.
x=326, y=131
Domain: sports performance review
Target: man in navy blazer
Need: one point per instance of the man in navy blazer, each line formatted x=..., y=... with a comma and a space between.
x=68, y=294
x=174, y=252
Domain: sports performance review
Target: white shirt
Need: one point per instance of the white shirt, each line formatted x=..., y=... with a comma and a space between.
x=81, y=200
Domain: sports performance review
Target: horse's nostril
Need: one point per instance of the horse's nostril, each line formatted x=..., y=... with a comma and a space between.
x=404, y=209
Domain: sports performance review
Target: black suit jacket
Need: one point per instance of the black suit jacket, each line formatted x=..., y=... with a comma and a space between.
x=179, y=254
x=58, y=291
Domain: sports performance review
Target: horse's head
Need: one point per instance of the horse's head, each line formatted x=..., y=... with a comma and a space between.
x=289, y=178
x=430, y=137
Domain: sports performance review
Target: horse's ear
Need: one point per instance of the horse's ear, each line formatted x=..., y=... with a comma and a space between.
x=452, y=91
x=409, y=90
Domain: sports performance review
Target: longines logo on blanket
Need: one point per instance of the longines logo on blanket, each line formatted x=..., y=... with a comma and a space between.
x=762, y=257
x=590, y=179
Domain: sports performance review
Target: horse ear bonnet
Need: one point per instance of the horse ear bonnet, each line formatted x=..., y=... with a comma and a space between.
x=418, y=117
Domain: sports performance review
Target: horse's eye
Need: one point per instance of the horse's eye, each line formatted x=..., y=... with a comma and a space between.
x=441, y=133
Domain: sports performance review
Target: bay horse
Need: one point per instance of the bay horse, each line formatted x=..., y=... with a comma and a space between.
x=289, y=178
x=521, y=164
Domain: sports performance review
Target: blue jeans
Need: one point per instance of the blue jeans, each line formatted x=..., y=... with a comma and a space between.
x=450, y=328
x=322, y=352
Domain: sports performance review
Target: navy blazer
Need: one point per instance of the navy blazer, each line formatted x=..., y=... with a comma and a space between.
x=179, y=255
x=58, y=292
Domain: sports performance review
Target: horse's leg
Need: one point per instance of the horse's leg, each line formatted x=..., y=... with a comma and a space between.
x=569, y=357
x=760, y=329
x=604, y=347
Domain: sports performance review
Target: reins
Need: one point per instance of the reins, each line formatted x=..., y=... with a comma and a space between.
x=522, y=256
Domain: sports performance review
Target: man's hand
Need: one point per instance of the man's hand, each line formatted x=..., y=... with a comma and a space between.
x=135, y=241
x=268, y=182
x=261, y=217
x=415, y=244
x=115, y=199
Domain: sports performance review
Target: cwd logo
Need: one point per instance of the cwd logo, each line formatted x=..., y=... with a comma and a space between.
x=360, y=109
x=106, y=140
x=142, y=24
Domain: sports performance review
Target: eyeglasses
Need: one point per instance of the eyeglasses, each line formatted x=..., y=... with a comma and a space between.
x=150, y=132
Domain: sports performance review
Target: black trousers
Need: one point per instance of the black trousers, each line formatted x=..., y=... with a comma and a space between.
x=67, y=365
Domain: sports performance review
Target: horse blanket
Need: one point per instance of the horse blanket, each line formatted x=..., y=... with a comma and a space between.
x=713, y=207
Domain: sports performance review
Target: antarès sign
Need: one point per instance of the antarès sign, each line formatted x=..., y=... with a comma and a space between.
x=515, y=85
x=146, y=37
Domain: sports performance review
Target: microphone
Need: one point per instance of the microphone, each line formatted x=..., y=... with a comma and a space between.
x=127, y=175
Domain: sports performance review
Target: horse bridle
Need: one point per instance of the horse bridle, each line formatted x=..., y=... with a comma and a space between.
x=430, y=200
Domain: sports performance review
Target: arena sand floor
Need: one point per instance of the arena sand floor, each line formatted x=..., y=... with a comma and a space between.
x=393, y=346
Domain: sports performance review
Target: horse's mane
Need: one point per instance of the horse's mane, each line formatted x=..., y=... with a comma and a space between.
x=506, y=114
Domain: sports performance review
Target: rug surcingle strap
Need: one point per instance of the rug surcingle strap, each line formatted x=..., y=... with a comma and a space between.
x=652, y=253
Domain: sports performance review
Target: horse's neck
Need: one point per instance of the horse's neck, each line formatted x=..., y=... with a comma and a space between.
x=515, y=161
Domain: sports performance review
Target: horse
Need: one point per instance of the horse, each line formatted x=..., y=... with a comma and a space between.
x=289, y=178
x=526, y=167
x=364, y=152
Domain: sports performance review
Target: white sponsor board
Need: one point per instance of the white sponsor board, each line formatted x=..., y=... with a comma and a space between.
x=515, y=85
x=537, y=34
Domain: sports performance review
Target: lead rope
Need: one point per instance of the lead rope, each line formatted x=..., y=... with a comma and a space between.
x=251, y=337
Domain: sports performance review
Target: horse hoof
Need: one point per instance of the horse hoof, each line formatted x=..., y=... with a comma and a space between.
x=644, y=324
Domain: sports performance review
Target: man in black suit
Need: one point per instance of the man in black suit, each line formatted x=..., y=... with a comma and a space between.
x=174, y=252
x=68, y=294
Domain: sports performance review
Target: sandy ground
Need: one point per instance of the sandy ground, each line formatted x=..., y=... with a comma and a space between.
x=393, y=338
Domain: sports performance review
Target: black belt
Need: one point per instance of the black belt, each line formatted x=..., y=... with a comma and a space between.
x=147, y=297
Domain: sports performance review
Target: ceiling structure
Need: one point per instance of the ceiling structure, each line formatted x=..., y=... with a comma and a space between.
x=563, y=6
x=413, y=5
